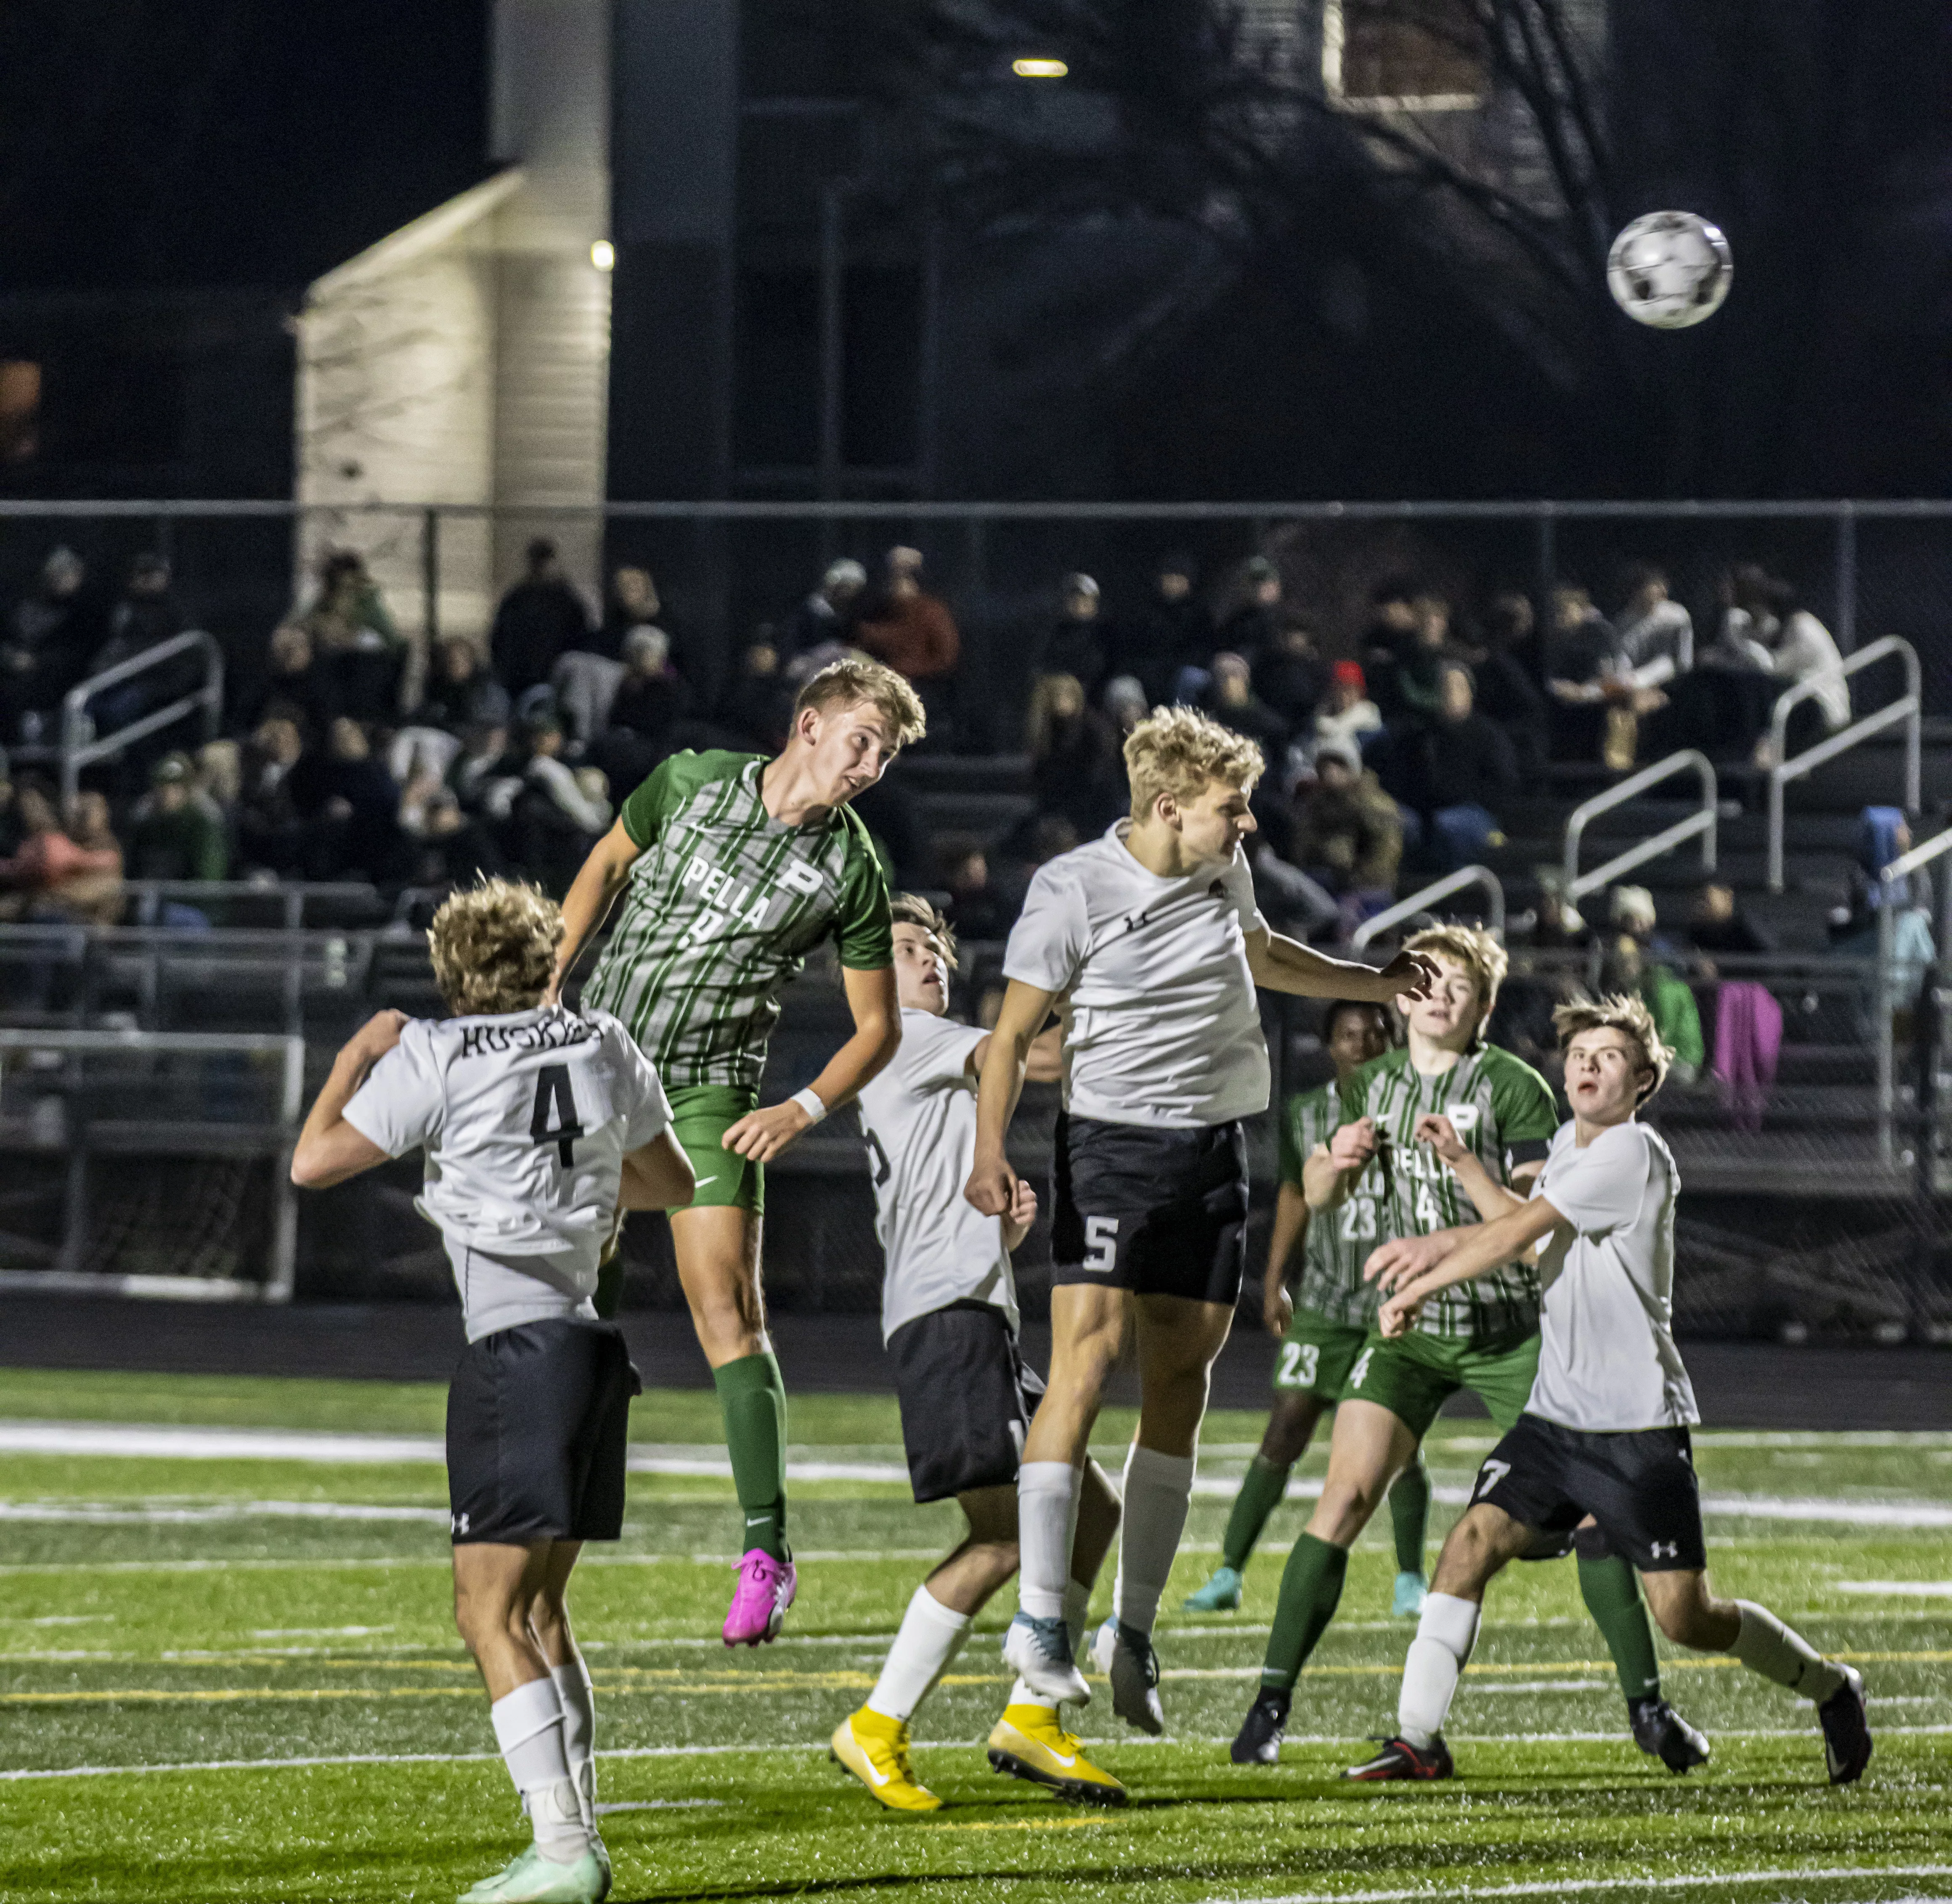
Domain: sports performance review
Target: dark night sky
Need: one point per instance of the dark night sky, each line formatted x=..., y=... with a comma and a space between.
x=208, y=142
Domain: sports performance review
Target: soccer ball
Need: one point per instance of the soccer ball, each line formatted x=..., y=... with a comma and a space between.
x=1669, y=269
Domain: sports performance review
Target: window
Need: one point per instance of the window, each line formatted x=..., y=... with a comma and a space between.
x=1402, y=55
x=20, y=410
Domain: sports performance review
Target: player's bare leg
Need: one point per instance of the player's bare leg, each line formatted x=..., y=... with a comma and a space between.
x=718, y=1250
x=497, y=1589
x=548, y=1622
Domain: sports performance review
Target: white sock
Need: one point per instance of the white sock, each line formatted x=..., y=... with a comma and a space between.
x=1047, y=1497
x=1076, y=1618
x=579, y=1730
x=1765, y=1645
x=1445, y=1634
x=528, y=1727
x=931, y=1636
x=1158, y=1488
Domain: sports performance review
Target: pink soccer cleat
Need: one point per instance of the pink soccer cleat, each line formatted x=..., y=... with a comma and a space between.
x=759, y=1602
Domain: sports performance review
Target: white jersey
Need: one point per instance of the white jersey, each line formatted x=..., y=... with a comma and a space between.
x=919, y=1118
x=525, y=1118
x=1162, y=1025
x=1607, y=1361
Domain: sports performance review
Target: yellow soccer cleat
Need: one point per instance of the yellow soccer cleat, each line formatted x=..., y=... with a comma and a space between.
x=1028, y=1743
x=875, y=1749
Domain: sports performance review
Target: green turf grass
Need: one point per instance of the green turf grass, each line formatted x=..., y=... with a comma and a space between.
x=166, y=1612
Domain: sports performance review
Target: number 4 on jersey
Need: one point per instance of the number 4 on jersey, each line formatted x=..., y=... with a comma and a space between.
x=554, y=1098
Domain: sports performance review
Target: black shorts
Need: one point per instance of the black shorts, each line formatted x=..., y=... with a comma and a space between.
x=1157, y=1212
x=1640, y=1487
x=538, y=1419
x=967, y=1399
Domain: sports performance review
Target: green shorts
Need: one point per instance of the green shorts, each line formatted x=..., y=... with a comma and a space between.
x=1414, y=1376
x=701, y=1115
x=1316, y=1356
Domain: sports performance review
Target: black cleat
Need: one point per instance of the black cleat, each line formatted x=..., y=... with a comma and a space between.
x=1259, y=1741
x=1400, y=1759
x=1846, y=1730
x=1663, y=1734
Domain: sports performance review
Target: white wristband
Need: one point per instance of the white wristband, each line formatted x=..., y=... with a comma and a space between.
x=808, y=1101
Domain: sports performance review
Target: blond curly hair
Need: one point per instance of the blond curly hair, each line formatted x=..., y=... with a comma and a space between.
x=1477, y=951
x=1180, y=751
x=856, y=681
x=494, y=948
x=1628, y=1016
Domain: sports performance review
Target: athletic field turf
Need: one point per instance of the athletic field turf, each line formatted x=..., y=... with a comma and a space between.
x=230, y=1672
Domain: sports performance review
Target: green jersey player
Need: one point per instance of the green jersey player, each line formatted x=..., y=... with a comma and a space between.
x=732, y=868
x=1438, y=1132
x=1321, y=1328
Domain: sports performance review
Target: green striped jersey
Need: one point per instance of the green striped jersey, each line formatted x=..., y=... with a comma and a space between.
x=1337, y=1242
x=721, y=910
x=1504, y=1110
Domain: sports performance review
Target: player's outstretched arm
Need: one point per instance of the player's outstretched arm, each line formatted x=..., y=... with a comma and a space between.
x=591, y=895
x=992, y=1186
x=1488, y=1196
x=762, y=1134
x=1328, y=1174
x=1280, y=964
x=1482, y=1246
x=328, y=1149
x=1290, y=1226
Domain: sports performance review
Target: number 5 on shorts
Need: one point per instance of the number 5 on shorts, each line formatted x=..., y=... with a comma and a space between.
x=1101, y=1242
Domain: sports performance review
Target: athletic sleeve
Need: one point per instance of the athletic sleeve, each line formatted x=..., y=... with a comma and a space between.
x=1240, y=890
x=862, y=928
x=647, y=809
x=1521, y=1103
x=1046, y=945
x=1600, y=1188
x=399, y=1107
x=936, y=1052
x=641, y=1089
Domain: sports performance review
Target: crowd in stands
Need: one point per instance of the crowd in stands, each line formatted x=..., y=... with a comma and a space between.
x=347, y=755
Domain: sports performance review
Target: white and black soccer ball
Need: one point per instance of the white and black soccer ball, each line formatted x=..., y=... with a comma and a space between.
x=1669, y=269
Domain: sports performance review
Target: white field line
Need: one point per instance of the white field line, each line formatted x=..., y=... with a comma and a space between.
x=1124, y=1740
x=1910, y=1590
x=1569, y=1886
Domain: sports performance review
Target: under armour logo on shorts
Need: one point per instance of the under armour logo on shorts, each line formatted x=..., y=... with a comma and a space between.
x=457, y=1523
x=1665, y=1550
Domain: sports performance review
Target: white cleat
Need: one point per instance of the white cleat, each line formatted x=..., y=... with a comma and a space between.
x=1039, y=1650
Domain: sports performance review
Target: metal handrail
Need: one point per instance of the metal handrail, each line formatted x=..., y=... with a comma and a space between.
x=79, y=748
x=1906, y=708
x=1702, y=823
x=291, y=896
x=1464, y=876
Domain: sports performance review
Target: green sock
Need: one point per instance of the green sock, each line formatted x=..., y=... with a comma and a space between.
x=1409, y=1514
x=1613, y=1596
x=753, y=1401
x=1261, y=1492
x=1310, y=1589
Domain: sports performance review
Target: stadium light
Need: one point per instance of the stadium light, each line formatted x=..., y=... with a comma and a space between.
x=603, y=255
x=1038, y=69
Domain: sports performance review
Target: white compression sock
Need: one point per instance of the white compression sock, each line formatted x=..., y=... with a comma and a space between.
x=1158, y=1488
x=1445, y=1635
x=931, y=1636
x=579, y=1730
x=528, y=1727
x=1765, y=1645
x=1047, y=1497
x=1077, y=1617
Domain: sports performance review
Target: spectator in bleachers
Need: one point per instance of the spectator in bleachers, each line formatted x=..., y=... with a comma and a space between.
x=461, y=692
x=45, y=644
x=50, y=874
x=1720, y=928
x=758, y=708
x=1074, y=771
x=1174, y=632
x=1348, y=834
x=976, y=909
x=1347, y=714
x=1291, y=677
x=483, y=761
x=826, y=614
x=1507, y=689
x=1582, y=665
x=1801, y=649
x=349, y=807
x=1125, y=704
x=540, y=617
x=1656, y=634
x=176, y=832
x=1633, y=966
x=1419, y=685
x=1466, y=771
x=1077, y=642
x=630, y=602
x=560, y=812
x=295, y=680
x=354, y=636
x=269, y=830
x=144, y=616
x=653, y=696
x=1386, y=641
x=1232, y=701
x=1249, y=626
x=216, y=772
x=908, y=629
